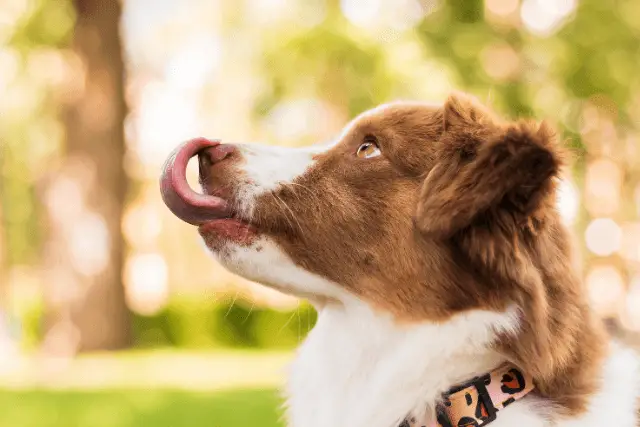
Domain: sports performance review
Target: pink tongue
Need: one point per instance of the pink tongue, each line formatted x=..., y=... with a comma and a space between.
x=185, y=203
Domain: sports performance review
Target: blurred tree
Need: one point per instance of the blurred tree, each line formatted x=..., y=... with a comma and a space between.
x=325, y=63
x=583, y=59
x=86, y=307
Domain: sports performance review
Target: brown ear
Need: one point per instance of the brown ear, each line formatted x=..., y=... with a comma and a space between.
x=464, y=113
x=484, y=167
x=466, y=124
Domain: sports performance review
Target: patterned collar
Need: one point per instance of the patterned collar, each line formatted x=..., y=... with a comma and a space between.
x=477, y=402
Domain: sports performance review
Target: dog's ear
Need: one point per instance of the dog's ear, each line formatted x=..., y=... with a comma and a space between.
x=466, y=123
x=463, y=113
x=484, y=166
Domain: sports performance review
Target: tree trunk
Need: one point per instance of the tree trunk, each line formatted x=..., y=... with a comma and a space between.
x=85, y=198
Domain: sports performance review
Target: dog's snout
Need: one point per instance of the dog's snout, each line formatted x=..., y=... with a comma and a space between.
x=211, y=156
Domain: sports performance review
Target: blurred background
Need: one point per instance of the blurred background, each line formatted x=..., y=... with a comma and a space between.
x=111, y=312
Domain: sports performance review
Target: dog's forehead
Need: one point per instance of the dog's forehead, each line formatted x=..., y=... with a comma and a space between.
x=379, y=114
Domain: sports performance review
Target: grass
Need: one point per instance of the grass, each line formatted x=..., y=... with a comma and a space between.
x=139, y=408
x=149, y=389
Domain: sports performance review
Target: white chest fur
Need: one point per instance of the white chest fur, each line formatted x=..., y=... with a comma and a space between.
x=359, y=369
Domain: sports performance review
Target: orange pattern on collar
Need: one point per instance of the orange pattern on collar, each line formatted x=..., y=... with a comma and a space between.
x=477, y=402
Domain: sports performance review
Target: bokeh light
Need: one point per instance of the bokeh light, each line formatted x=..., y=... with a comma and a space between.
x=602, y=186
x=543, y=17
x=379, y=14
x=501, y=61
x=146, y=283
x=603, y=236
x=568, y=202
x=606, y=289
x=630, y=245
x=502, y=7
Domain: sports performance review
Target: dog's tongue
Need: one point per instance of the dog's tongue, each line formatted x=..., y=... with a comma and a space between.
x=185, y=203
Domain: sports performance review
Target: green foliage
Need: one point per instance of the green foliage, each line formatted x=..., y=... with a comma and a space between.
x=18, y=198
x=456, y=34
x=282, y=329
x=604, y=59
x=49, y=24
x=205, y=323
x=233, y=324
x=468, y=11
x=584, y=59
x=200, y=324
x=31, y=324
x=326, y=62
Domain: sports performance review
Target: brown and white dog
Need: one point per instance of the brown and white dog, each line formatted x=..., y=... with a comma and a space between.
x=428, y=240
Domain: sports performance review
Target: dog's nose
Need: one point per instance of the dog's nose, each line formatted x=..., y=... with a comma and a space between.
x=211, y=156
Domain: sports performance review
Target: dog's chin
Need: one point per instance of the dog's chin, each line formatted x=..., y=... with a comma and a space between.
x=253, y=255
x=222, y=233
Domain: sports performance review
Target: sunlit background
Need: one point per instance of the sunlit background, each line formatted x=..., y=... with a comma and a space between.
x=111, y=312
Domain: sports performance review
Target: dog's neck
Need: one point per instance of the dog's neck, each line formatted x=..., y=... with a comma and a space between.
x=360, y=368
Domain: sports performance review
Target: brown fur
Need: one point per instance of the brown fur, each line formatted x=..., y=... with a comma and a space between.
x=457, y=214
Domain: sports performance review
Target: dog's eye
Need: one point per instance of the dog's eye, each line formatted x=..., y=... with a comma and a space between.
x=368, y=149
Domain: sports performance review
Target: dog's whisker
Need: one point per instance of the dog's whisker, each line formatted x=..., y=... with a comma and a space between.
x=285, y=324
x=299, y=324
x=293, y=215
x=253, y=304
x=309, y=191
x=233, y=302
x=286, y=216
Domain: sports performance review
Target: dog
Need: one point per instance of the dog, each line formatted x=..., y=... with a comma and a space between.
x=428, y=240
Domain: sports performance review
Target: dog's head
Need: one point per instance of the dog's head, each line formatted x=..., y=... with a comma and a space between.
x=354, y=214
x=420, y=211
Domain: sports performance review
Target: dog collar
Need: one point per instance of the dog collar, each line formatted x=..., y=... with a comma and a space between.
x=476, y=403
